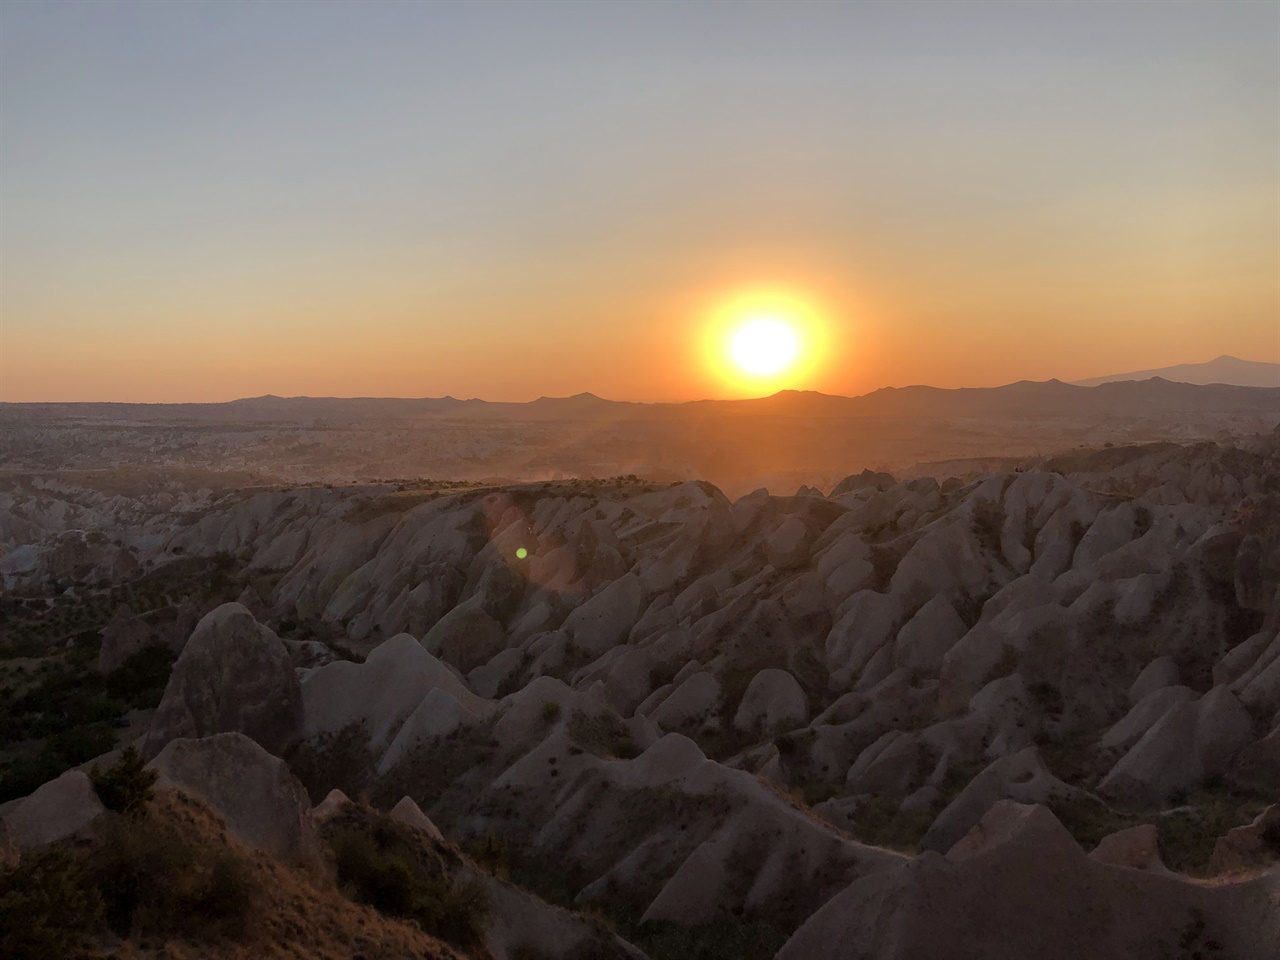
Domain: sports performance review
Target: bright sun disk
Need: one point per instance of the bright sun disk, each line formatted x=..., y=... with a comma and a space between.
x=764, y=346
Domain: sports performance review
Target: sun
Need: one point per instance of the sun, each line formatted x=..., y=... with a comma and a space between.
x=764, y=346
x=759, y=340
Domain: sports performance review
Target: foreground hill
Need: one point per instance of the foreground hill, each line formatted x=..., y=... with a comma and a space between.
x=1034, y=711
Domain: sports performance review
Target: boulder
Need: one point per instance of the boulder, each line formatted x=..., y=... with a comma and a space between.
x=788, y=545
x=467, y=637
x=234, y=675
x=410, y=814
x=333, y=801
x=1160, y=672
x=1136, y=847
x=262, y=802
x=773, y=698
x=927, y=636
x=1256, y=768
x=1020, y=777
x=60, y=808
x=1144, y=715
x=606, y=619
x=690, y=702
x=1251, y=847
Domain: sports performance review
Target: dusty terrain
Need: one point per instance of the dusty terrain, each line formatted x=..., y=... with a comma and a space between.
x=1028, y=705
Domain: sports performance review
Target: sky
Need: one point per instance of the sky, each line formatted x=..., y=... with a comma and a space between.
x=203, y=201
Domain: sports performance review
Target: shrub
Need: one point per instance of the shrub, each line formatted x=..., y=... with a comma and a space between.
x=152, y=881
x=490, y=852
x=381, y=863
x=125, y=787
x=550, y=711
x=46, y=906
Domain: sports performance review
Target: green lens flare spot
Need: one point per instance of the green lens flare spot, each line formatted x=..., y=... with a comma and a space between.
x=521, y=553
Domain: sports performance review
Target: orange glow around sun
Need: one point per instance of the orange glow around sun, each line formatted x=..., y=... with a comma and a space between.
x=763, y=341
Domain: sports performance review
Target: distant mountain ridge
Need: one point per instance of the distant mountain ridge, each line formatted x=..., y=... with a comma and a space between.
x=1024, y=400
x=1224, y=369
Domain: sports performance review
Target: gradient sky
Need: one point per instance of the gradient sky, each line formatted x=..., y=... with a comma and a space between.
x=206, y=201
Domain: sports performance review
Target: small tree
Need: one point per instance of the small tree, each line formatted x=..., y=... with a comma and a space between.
x=125, y=787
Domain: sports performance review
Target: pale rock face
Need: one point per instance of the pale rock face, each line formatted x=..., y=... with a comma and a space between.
x=1257, y=766
x=788, y=546
x=234, y=675
x=1250, y=847
x=1021, y=777
x=467, y=637
x=625, y=672
x=892, y=765
x=1143, y=716
x=867, y=624
x=1188, y=743
x=1139, y=596
x=263, y=804
x=1137, y=848
x=692, y=895
x=924, y=641
x=440, y=713
x=1259, y=686
x=1160, y=672
x=333, y=802
x=772, y=698
x=1019, y=886
x=606, y=619
x=380, y=693
x=487, y=679
x=693, y=699
x=59, y=809
x=124, y=636
x=410, y=814
x=1242, y=658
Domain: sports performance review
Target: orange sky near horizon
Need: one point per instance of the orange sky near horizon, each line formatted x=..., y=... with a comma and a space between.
x=503, y=202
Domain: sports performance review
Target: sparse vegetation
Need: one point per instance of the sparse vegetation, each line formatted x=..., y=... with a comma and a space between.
x=380, y=862
x=46, y=906
x=604, y=735
x=126, y=786
x=139, y=876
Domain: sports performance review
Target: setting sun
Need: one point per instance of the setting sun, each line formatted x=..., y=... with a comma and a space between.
x=764, y=346
x=766, y=339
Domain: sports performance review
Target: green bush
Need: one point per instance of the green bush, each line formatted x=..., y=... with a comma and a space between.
x=46, y=906
x=125, y=787
x=550, y=711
